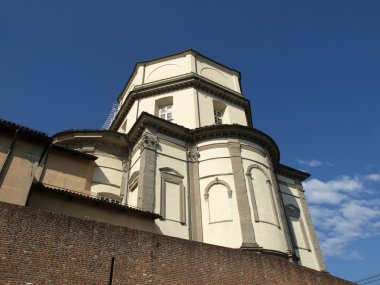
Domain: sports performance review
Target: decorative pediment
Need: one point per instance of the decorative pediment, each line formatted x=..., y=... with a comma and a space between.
x=171, y=171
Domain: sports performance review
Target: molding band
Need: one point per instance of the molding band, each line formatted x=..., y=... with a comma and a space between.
x=178, y=83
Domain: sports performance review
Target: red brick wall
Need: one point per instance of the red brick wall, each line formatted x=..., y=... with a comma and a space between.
x=38, y=247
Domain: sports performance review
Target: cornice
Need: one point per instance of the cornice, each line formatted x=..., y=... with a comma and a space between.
x=74, y=151
x=292, y=173
x=147, y=120
x=179, y=83
x=95, y=137
x=185, y=52
x=204, y=133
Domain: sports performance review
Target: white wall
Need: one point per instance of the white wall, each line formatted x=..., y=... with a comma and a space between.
x=175, y=158
x=232, y=114
x=136, y=79
x=267, y=231
x=107, y=174
x=185, y=109
x=130, y=118
x=218, y=74
x=166, y=68
x=134, y=166
x=220, y=216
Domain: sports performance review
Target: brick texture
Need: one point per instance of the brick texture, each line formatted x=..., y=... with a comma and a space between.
x=39, y=247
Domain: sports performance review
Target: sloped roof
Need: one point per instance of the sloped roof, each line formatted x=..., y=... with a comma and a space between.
x=95, y=199
x=13, y=127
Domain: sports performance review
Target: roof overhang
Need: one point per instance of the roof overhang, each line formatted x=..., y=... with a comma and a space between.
x=96, y=137
x=209, y=132
x=293, y=173
x=74, y=152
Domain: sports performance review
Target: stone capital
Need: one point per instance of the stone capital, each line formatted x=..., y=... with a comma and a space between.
x=124, y=164
x=193, y=155
x=149, y=141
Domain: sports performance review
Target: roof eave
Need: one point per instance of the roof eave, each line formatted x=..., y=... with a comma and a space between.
x=291, y=172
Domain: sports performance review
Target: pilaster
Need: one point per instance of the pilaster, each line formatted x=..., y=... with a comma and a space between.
x=247, y=231
x=147, y=173
x=195, y=199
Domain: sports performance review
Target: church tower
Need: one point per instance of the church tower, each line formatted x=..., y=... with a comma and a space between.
x=182, y=145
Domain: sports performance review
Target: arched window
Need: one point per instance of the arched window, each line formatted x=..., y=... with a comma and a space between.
x=218, y=194
x=164, y=108
x=219, y=110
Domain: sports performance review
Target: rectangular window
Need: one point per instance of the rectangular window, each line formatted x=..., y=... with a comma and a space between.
x=165, y=112
x=218, y=115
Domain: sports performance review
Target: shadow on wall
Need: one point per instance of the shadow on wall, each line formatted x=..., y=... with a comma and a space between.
x=297, y=225
x=99, y=176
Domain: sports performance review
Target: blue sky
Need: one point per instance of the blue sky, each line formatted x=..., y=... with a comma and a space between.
x=310, y=68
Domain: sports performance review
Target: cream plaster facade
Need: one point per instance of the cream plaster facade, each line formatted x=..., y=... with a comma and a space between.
x=233, y=194
x=192, y=106
x=205, y=171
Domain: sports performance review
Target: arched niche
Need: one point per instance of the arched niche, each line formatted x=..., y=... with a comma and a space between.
x=218, y=194
x=164, y=71
x=297, y=227
x=262, y=196
x=215, y=75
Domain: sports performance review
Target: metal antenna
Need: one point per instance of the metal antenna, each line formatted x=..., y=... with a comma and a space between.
x=110, y=117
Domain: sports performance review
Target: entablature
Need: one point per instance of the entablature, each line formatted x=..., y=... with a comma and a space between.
x=190, y=80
